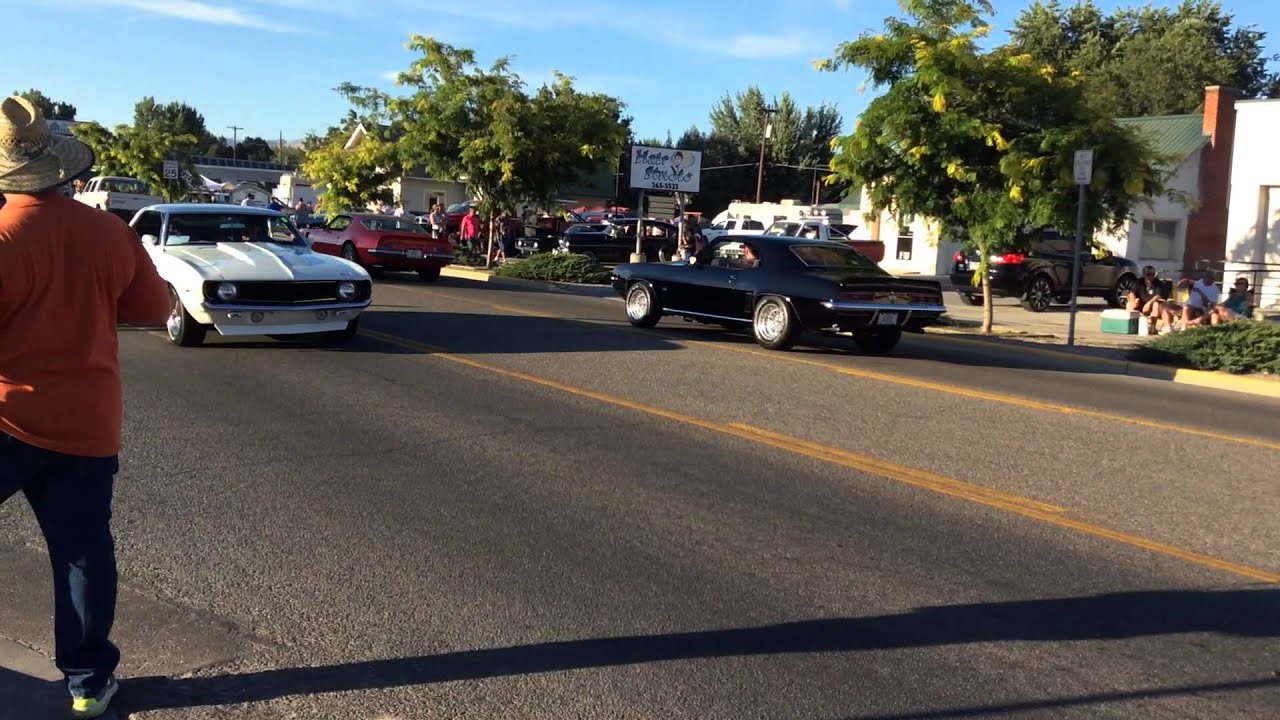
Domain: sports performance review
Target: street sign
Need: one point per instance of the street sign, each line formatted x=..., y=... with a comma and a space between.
x=662, y=207
x=171, y=170
x=1084, y=167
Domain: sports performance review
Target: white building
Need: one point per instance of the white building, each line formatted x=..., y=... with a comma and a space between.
x=1253, y=219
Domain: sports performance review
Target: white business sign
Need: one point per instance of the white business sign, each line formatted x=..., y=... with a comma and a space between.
x=665, y=169
x=1084, y=167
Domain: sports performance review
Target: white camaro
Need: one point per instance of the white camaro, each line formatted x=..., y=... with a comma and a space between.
x=247, y=271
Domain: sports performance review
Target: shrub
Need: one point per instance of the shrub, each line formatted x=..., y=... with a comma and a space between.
x=1236, y=347
x=565, y=267
x=466, y=257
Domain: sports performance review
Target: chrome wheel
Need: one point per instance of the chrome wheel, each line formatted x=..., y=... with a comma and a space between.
x=174, y=323
x=638, y=303
x=771, y=321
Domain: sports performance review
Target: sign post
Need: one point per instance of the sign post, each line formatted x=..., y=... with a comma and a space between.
x=664, y=170
x=1083, y=176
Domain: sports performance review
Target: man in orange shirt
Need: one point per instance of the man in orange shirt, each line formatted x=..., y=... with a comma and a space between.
x=68, y=274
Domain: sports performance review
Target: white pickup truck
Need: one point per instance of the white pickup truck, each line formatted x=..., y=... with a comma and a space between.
x=121, y=196
x=733, y=226
x=829, y=232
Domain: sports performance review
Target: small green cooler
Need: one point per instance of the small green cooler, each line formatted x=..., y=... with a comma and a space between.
x=1120, y=322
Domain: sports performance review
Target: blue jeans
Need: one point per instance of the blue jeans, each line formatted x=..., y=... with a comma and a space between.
x=71, y=499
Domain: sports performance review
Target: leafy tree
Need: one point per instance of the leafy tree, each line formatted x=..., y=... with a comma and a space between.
x=174, y=118
x=353, y=178
x=982, y=142
x=49, y=108
x=1149, y=60
x=801, y=137
x=139, y=153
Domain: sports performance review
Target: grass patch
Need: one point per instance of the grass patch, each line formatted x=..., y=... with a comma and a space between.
x=567, y=267
x=1237, y=347
x=467, y=257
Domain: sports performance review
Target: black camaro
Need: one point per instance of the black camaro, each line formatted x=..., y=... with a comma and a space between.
x=781, y=287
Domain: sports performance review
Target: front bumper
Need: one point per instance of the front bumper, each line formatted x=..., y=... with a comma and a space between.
x=849, y=317
x=246, y=319
x=409, y=259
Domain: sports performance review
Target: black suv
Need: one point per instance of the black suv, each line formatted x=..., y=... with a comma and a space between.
x=1041, y=275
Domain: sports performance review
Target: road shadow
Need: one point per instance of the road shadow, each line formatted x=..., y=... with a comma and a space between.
x=973, y=352
x=1074, y=701
x=501, y=284
x=31, y=698
x=483, y=334
x=1242, y=613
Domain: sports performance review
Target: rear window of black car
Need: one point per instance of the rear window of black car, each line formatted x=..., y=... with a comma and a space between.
x=833, y=256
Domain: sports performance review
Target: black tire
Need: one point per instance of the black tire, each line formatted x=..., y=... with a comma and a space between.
x=349, y=253
x=773, y=324
x=877, y=342
x=181, y=328
x=644, y=309
x=1039, y=295
x=970, y=299
x=1119, y=295
x=338, y=338
x=429, y=274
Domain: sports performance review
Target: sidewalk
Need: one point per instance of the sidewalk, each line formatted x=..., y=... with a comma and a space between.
x=30, y=686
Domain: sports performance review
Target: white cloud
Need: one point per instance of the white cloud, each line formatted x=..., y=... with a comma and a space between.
x=587, y=82
x=201, y=12
x=771, y=46
x=842, y=4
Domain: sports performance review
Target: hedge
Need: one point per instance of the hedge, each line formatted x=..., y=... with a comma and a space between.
x=560, y=267
x=1235, y=347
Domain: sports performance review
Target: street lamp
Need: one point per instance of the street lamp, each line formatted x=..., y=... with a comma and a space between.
x=767, y=114
x=235, y=139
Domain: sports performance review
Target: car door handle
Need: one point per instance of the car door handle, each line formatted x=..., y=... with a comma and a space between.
x=733, y=279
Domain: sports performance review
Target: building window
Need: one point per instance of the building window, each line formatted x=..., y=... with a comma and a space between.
x=906, y=237
x=1159, y=240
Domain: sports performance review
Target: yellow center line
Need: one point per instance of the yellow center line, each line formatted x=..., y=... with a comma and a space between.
x=990, y=497
x=907, y=381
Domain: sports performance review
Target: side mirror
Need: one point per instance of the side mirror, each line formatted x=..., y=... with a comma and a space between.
x=150, y=239
x=693, y=259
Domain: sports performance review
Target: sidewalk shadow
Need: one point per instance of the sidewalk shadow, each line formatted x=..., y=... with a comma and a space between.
x=1115, y=616
x=29, y=698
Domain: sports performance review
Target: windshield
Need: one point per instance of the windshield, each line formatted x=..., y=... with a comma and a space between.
x=394, y=225
x=458, y=208
x=133, y=187
x=214, y=228
x=833, y=256
x=840, y=230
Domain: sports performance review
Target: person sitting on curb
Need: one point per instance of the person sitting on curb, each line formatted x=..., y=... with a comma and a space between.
x=1201, y=299
x=1149, y=296
x=1239, y=303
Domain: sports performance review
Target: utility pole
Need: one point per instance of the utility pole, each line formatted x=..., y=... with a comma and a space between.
x=767, y=116
x=235, y=139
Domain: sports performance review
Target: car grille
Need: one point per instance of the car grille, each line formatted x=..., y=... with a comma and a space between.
x=289, y=292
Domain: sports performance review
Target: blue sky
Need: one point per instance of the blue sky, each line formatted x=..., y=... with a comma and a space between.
x=269, y=66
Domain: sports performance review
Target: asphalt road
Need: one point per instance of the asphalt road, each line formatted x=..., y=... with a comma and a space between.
x=510, y=504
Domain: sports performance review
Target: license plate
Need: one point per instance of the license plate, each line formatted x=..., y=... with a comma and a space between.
x=888, y=319
x=415, y=254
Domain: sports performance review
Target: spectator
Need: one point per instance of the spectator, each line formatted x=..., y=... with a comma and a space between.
x=1202, y=297
x=68, y=274
x=301, y=213
x=1149, y=296
x=1239, y=303
x=471, y=228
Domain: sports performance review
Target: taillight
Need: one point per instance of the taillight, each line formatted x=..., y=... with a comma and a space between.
x=1009, y=259
x=958, y=257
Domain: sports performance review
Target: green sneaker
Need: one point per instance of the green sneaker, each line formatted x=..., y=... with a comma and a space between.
x=95, y=706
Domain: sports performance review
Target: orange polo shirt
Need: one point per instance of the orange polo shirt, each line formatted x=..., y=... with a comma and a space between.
x=68, y=274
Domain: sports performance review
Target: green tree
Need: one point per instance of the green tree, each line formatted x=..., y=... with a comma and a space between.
x=51, y=109
x=982, y=142
x=139, y=153
x=1149, y=60
x=174, y=118
x=353, y=178
x=800, y=138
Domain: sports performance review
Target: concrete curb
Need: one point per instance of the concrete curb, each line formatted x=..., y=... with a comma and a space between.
x=1261, y=386
x=465, y=273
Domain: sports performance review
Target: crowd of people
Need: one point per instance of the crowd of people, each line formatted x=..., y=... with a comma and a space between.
x=1203, y=304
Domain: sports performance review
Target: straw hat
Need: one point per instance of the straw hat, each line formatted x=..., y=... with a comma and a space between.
x=32, y=159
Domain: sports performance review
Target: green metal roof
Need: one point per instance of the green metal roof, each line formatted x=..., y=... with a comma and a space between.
x=1177, y=136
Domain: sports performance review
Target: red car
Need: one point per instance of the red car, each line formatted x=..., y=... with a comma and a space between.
x=383, y=242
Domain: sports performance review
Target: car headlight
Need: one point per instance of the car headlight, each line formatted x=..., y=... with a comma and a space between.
x=347, y=291
x=227, y=291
